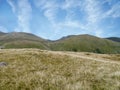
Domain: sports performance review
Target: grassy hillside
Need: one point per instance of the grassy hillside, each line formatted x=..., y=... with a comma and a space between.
x=75, y=43
x=22, y=40
x=86, y=43
x=34, y=69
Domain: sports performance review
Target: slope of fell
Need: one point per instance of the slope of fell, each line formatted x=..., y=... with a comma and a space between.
x=22, y=40
x=86, y=43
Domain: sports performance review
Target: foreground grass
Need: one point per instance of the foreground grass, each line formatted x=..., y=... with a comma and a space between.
x=33, y=69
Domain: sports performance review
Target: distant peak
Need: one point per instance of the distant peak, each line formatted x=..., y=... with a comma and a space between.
x=117, y=39
x=1, y=32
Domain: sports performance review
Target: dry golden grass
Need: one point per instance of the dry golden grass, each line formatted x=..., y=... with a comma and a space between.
x=34, y=69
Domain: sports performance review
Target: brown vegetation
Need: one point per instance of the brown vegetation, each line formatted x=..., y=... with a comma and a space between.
x=34, y=69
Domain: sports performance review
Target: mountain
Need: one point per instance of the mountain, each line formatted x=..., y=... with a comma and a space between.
x=117, y=39
x=77, y=43
x=86, y=43
x=2, y=33
x=22, y=40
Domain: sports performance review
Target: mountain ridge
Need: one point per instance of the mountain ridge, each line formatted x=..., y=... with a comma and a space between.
x=87, y=43
x=117, y=39
x=22, y=40
x=79, y=43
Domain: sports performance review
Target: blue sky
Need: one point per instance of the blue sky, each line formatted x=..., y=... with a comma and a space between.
x=53, y=19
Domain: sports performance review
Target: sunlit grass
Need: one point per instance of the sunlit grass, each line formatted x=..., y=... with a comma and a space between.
x=34, y=69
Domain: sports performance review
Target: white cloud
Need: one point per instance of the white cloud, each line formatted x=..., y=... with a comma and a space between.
x=23, y=11
x=3, y=29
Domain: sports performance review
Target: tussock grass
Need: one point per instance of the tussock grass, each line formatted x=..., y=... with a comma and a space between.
x=115, y=57
x=34, y=69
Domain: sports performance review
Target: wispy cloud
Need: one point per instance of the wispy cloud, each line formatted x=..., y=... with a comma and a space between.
x=12, y=4
x=90, y=11
x=72, y=4
x=90, y=8
x=50, y=11
x=114, y=11
x=93, y=11
x=23, y=11
x=49, y=8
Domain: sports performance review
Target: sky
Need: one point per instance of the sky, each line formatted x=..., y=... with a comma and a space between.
x=53, y=19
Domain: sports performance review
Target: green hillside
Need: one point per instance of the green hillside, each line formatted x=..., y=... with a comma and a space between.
x=22, y=40
x=77, y=43
x=86, y=43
